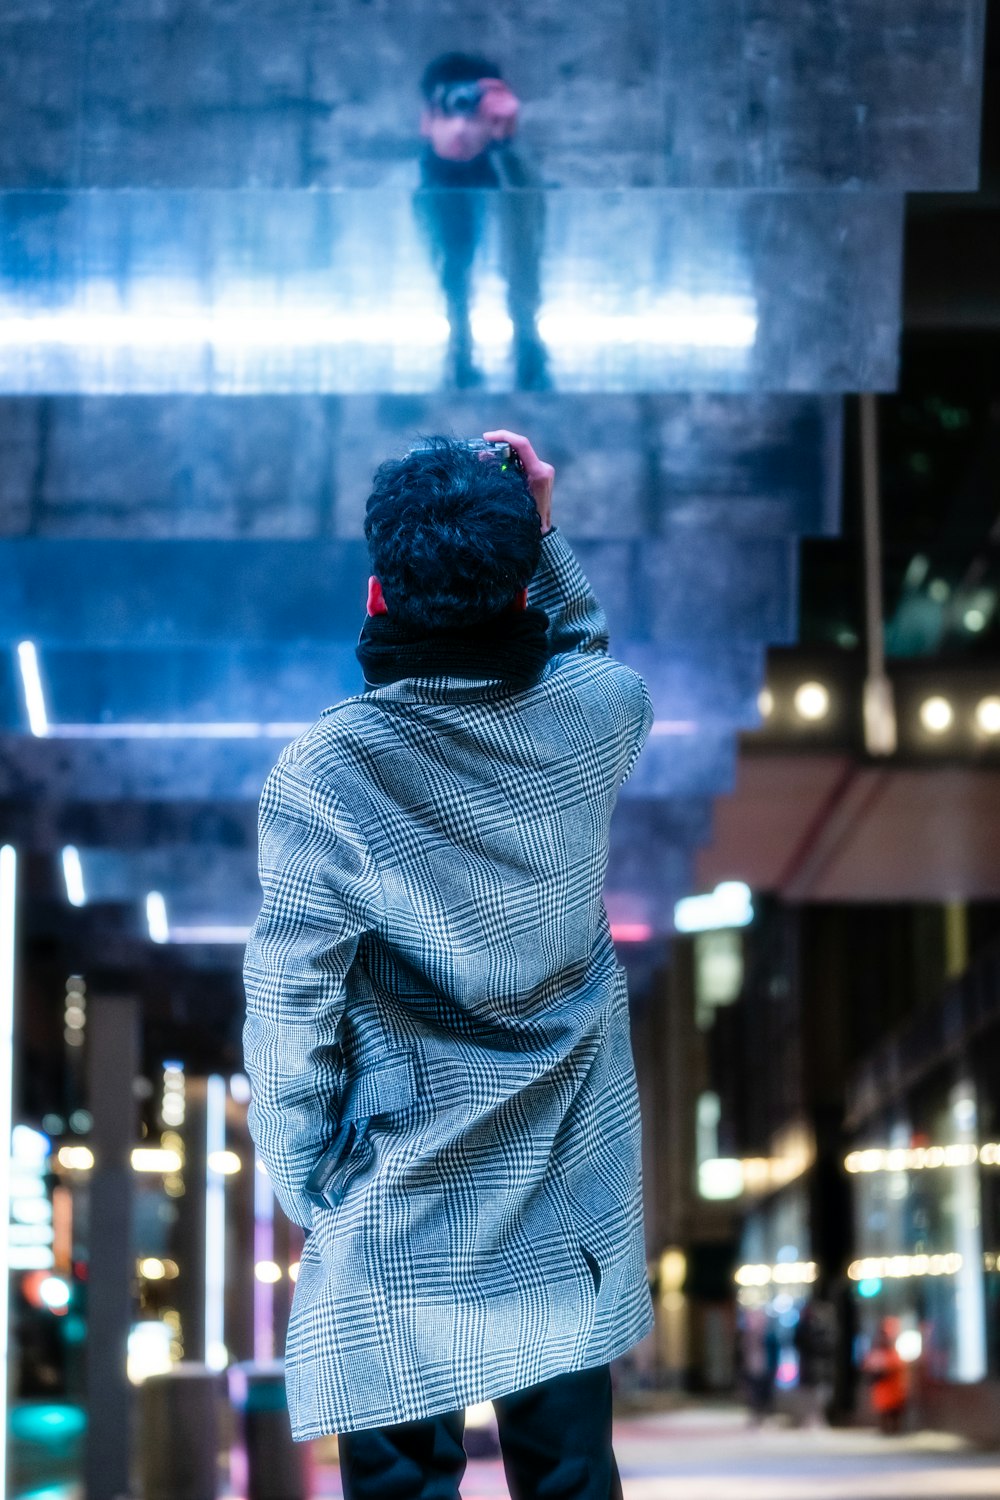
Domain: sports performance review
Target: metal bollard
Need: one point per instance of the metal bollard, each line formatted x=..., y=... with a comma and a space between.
x=276, y=1468
x=179, y=1433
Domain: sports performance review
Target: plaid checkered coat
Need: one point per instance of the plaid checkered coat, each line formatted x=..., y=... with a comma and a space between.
x=433, y=957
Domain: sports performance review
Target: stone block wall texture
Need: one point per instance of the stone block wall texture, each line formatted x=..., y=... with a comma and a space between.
x=301, y=466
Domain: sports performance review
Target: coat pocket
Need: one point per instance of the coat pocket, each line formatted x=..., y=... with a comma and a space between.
x=386, y=1085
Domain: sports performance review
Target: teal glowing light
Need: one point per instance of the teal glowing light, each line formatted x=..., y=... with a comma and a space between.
x=47, y=1422
x=869, y=1287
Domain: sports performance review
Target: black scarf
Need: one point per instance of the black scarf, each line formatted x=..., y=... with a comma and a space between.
x=511, y=646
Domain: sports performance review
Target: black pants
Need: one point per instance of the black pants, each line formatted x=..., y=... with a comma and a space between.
x=555, y=1438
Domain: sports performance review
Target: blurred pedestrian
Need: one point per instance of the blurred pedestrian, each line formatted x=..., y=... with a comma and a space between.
x=815, y=1344
x=759, y=1355
x=886, y=1369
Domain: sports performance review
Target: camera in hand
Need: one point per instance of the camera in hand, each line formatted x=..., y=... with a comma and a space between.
x=457, y=98
x=501, y=451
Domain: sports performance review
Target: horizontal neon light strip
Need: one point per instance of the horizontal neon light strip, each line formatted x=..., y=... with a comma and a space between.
x=208, y=934
x=243, y=730
x=706, y=322
x=631, y=932
x=212, y=730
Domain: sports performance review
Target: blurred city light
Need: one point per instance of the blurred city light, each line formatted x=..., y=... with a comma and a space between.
x=936, y=715
x=922, y=1158
x=898, y=1267
x=148, y=1350
x=239, y=1088
x=988, y=715
x=267, y=1271
x=29, y=1146
x=631, y=932
x=812, y=701
x=782, y=1273
x=156, y=917
x=55, y=1293
x=765, y=703
x=155, y=1159
x=75, y=1158
x=173, y=1103
x=152, y=1268
x=910, y=1344
x=31, y=682
x=720, y=1177
x=73, y=876
x=225, y=1162
x=729, y=905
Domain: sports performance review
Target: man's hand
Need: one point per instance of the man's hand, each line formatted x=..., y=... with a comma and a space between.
x=498, y=107
x=540, y=476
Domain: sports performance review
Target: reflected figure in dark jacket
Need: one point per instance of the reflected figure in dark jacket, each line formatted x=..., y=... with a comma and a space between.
x=468, y=122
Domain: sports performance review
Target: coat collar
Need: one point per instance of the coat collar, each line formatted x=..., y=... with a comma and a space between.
x=443, y=689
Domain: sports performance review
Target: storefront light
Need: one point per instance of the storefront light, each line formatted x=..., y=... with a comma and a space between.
x=922, y=1158
x=936, y=715
x=988, y=715
x=812, y=701
x=784, y=1273
x=155, y=1159
x=226, y=1163
x=899, y=1267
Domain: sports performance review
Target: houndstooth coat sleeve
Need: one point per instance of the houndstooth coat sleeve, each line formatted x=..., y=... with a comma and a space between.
x=432, y=963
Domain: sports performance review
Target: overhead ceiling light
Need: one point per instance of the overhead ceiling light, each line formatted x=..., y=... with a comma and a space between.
x=812, y=701
x=31, y=681
x=988, y=715
x=156, y=917
x=936, y=715
x=73, y=876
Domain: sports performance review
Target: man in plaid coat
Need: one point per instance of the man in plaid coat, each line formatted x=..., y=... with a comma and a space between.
x=437, y=1030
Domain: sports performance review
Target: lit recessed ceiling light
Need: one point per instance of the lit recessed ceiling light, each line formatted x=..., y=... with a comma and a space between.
x=988, y=715
x=937, y=715
x=812, y=701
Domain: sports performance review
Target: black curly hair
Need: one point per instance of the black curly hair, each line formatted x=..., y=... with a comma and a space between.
x=452, y=537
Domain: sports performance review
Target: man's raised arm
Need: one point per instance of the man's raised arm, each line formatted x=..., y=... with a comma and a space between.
x=321, y=889
x=576, y=620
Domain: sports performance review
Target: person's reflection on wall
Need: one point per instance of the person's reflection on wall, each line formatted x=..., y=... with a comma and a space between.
x=468, y=123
